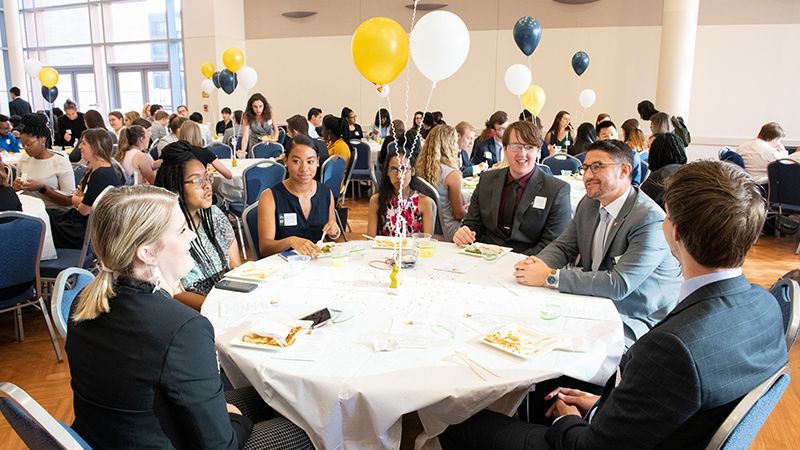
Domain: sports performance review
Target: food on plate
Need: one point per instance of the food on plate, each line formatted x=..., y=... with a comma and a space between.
x=327, y=248
x=390, y=243
x=255, y=338
x=251, y=270
x=517, y=343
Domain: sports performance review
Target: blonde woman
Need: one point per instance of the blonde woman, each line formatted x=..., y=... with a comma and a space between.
x=130, y=116
x=191, y=133
x=438, y=165
x=133, y=156
x=146, y=111
x=128, y=335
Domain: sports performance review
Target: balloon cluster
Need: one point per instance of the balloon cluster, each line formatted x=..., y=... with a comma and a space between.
x=48, y=76
x=234, y=75
x=519, y=79
x=580, y=62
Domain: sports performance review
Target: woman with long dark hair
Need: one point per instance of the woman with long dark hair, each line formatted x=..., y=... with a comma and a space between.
x=93, y=120
x=258, y=121
x=383, y=122
x=560, y=133
x=133, y=156
x=585, y=136
x=416, y=215
x=350, y=128
x=214, y=250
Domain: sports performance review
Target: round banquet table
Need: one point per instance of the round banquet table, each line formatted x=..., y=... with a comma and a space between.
x=346, y=395
x=233, y=190
x=576, y=192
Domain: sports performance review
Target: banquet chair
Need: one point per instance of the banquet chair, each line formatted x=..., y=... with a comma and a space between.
x=266, y=150
x=33, y=424
x=728, y=154
x=334, y=170
x=255, y=179
x=79, y=170
x=22, y=253
x=745, y=421
x=67, y=287
x=250, y=218
x=787, y=292
x=645, y=170
x=428, y=190
x=154, y=149
x=360, y=171
x=784, y=188
x=348, y=174
x=645, y=156
x=221, y=150
x=562, y=161
x=11, y=173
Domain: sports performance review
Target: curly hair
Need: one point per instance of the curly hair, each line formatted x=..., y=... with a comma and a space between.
x=441, y=147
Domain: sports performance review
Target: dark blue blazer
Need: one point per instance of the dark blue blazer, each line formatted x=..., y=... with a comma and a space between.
x=465, y=164
x=681, y=379
x=485, y=151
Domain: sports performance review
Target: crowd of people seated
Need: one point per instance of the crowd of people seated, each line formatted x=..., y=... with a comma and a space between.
x=649, y=242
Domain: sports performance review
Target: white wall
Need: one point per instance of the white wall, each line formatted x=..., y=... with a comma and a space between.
x=744, y=76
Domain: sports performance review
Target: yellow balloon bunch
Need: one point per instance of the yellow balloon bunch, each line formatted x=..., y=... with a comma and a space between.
x=233, y=59
x=380, y=49
x=48, y=77
x=533, y=99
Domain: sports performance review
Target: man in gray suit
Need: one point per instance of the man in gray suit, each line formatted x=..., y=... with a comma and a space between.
x=616, y=236
x=675, y=385
x=519, y=206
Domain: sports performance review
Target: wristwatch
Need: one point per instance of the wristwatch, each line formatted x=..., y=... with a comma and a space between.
x=43, y=190
x=552, y=279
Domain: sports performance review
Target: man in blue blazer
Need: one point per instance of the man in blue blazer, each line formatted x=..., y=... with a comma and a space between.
x=675, y=385
x=617, y=241
x=489, y=149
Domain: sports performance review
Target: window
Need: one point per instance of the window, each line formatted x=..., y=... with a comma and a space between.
x=110, y=54
x=5, y=68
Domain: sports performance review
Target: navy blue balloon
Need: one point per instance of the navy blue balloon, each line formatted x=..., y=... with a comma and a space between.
x=527, y=34
x=215, y=79
x=50, y=94
x=228, y=81
x=580, y=62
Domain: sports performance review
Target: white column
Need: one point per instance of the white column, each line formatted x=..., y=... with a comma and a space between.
x=676, y=60
x=14, y=38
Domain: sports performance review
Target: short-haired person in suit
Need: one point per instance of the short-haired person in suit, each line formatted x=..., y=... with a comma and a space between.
x=314, y=118
x=518, y=206
x=466, y=139
x=489, y=146
x=606, y=130
x=616, y=234
x=677, y=383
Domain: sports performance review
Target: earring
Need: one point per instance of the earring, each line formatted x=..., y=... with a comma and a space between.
x=155, y=277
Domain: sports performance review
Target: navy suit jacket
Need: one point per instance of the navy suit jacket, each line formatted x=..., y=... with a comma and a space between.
x=485, y=151
x=465, y=164
x=680, y=380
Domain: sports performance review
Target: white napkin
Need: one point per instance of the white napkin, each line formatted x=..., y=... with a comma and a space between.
x=270, y=328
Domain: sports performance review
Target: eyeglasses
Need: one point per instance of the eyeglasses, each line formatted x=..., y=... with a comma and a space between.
x=200, y=181
x=596, y=166
x=517, y=147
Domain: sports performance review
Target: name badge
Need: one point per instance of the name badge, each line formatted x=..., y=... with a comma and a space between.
x=539, y=202
x=288, y=219
x=487, y=155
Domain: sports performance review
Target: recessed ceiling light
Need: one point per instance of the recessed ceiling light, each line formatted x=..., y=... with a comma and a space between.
x=574, y=2
x=427, y=6
x=298, y=14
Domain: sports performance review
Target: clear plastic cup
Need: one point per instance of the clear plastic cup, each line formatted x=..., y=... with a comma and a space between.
x=427, y=248
x=566, y=173
x=298, y=262
x=339, y=255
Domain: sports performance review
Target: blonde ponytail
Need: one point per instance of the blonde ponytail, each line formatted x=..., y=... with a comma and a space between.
x=124, y=219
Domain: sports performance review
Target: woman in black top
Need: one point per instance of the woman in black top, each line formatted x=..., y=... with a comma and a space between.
x=70, y=126
x=350, y=129
x=9, y=200
x=143, y=366
x=69, y=226
x=585, y=136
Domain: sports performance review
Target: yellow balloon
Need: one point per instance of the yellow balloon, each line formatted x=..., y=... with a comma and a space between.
x=48, y=77
x=533, y=99
x=380, y=49
x=233, y=58
x=208, y=69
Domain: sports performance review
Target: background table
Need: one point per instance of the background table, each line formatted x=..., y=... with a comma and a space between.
x=345, y=395
x=233, y=190
x=576, y=192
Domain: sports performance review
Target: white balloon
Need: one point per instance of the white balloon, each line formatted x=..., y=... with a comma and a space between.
x=518, y=79
x=247, y=77
x=32, y=67
x=208, y=86
x=587, y=98
x=439, y=44
x=383, y=92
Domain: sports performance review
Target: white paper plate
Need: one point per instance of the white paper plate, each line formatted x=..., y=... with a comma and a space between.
x=238, y=342
x=529, y=342
x=503, y=250
x=392, y=242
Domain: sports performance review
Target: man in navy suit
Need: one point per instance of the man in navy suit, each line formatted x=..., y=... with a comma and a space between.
x=678, y=382
x=489, y=149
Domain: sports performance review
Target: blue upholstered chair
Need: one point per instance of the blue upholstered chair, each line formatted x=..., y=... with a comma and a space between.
x=562, y=161
x=68, y=285
x=221, y=150
x=33, y=424
x=267, y=150
x=787, y=292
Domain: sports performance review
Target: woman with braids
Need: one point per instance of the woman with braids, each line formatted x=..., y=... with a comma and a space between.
x=417, y=213
x=143, y=366
x=214, y=250
x=69, y=226
x=299, y=211
x=438, y=165
x=41, y=173
x=133, y=155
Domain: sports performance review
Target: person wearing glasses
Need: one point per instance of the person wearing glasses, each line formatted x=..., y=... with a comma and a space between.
x=518, y=206
x=214, y=250
x=616, y=236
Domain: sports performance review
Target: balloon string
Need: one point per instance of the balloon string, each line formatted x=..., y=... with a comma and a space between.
x=407, y=69
x=51, y=126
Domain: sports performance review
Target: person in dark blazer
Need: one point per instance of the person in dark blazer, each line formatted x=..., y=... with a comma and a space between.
x=143, y=366
x=18, y=106
x=617, y=241
x=489, y=146
x=518, y=206
x=677, y=384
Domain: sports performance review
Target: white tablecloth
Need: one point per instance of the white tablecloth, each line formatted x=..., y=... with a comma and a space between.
x=347, y=396
x=35, y=206
x=233, y=190
x=11, y=158
x=576, y=192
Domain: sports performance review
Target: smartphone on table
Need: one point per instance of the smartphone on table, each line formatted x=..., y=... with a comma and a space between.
x=236, y=286
x=319, y=318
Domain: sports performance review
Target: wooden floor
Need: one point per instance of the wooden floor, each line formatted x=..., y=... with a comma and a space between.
x=32, y=364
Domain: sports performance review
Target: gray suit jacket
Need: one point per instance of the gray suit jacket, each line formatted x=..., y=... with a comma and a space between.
x=533, y=227
x=638, y=272
x=680, y=380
